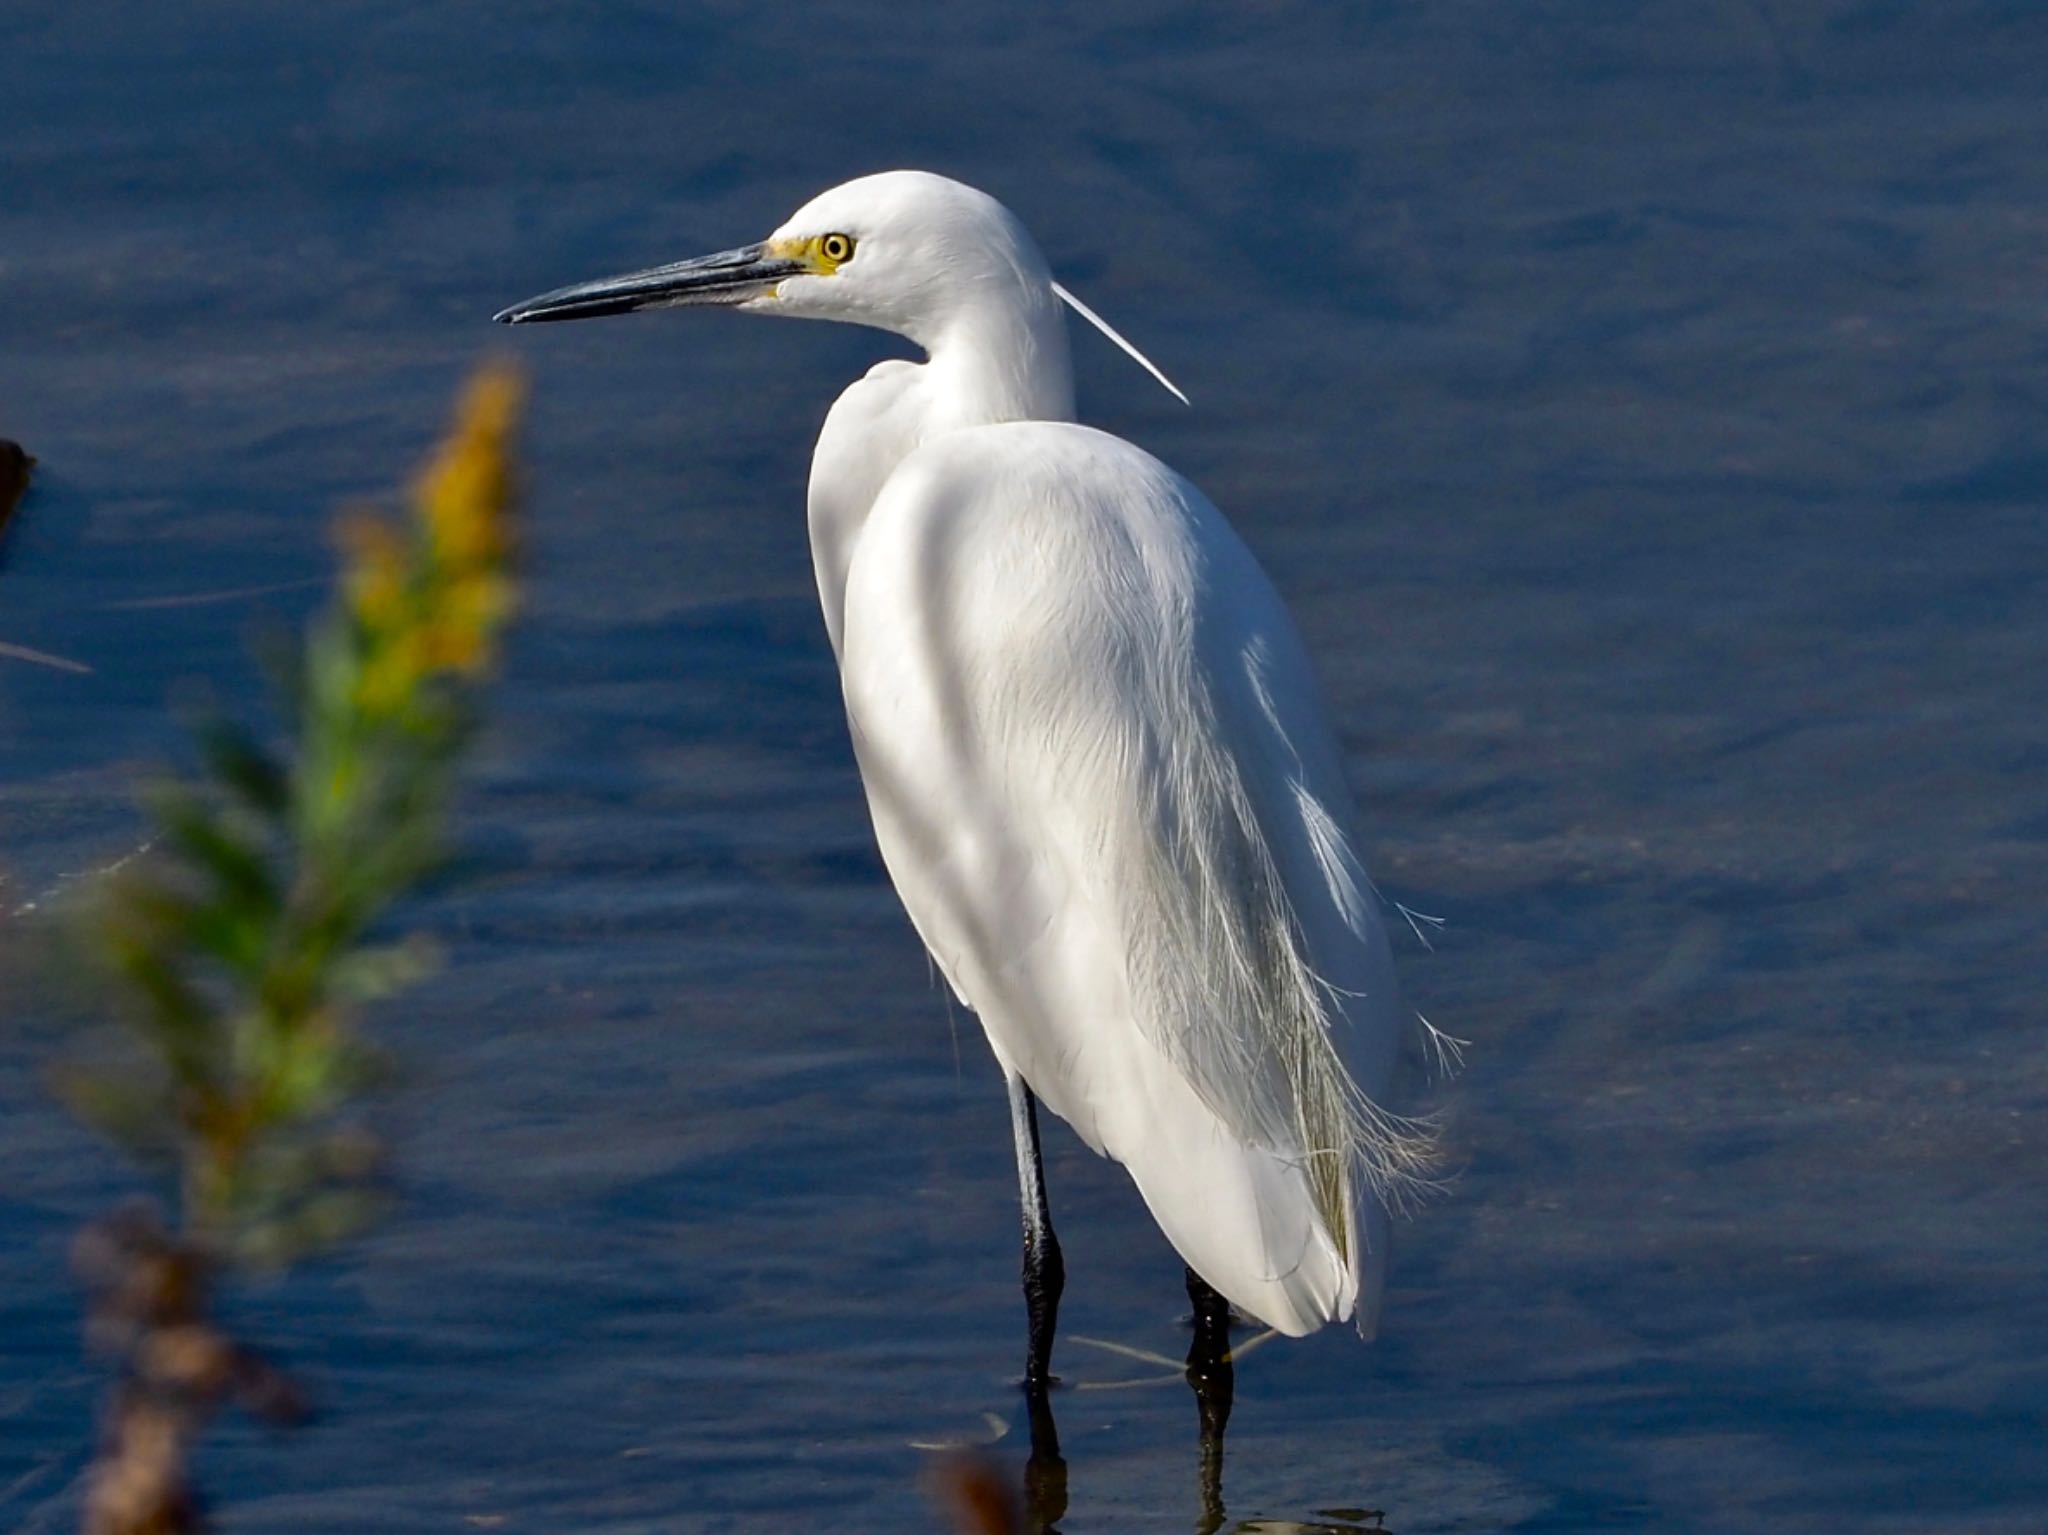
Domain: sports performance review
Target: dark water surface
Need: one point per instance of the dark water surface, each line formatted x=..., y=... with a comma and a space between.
x=1642, y=405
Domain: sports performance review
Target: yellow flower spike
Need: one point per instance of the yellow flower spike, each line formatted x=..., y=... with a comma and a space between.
x=465, y=496
x=392, y=675
x=375, y=577
x=430, y=598
x=455, y=648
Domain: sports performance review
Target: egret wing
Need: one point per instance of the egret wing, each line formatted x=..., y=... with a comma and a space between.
x=1102, y=787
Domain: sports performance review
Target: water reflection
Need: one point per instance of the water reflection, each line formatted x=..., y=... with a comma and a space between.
x=1210, y=1373
x=1045, y=1473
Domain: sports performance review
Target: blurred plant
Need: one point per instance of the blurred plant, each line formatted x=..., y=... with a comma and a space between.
x=975, y=1493
x=14, y=470
x=246, y=945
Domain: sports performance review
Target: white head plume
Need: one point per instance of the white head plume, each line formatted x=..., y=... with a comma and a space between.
x=1109, y=330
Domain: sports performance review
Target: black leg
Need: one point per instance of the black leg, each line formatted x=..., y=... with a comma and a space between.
x=1045, y=1273
x=1213, y=1378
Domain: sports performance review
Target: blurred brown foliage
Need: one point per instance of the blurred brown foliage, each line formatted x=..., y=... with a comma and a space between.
x=14, y=469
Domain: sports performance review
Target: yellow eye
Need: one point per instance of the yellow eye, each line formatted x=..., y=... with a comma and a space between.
x=836, y=248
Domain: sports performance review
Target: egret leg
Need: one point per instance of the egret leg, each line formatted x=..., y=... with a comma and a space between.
x=1045, y=1272
x=1214, y=1379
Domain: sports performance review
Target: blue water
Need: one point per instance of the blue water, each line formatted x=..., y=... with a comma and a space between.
x=1642, y=407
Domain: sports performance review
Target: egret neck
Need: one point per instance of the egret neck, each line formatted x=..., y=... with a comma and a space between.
x=1001, y=357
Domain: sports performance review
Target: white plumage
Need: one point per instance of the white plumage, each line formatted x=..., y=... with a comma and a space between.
x=1099, y=769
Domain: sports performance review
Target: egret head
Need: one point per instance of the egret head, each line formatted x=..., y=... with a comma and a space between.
x=903, y=251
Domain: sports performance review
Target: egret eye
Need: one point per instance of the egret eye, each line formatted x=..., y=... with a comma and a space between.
x=836, y=248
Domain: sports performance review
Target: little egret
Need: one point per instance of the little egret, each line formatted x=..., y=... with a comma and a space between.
x=1099, y=770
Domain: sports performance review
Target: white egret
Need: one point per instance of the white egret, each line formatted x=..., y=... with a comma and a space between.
x=1099, y=770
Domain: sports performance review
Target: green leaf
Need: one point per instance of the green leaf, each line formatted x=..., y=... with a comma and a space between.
x=238, y=938
x=215, y=846
x=236, y=759
x=177, y=1019
x=370, y=974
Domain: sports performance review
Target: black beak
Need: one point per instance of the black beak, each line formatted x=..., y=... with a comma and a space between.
x=730, y=277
